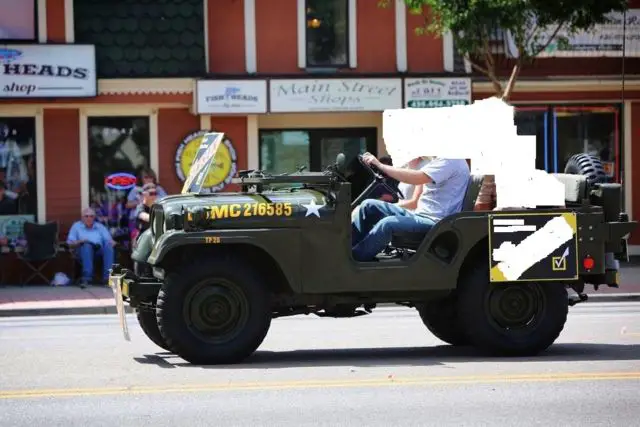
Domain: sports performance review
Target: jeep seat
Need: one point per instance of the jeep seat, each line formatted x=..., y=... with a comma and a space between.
x=412, y=240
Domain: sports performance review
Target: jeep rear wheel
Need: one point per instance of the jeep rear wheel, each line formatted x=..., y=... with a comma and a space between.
x=149, y=325
x=214, y=312
x=440, y=318
x=511, y=320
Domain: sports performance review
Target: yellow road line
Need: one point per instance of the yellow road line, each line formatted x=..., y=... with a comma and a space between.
x=264, y=386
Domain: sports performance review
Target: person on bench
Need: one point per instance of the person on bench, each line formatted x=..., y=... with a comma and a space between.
x=444, y=183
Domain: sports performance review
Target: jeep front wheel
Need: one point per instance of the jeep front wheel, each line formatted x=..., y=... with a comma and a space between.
x=520, y=319
x=214, y=311
x=149, y=325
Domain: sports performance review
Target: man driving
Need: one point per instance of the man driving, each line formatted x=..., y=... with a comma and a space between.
x=444, y=183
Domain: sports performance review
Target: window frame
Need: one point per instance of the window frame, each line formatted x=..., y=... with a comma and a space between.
x=114, y=111
x=316, y=133
x=352, y=44
x=15, y=111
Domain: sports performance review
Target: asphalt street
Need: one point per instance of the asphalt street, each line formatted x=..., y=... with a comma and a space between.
x=378, y=370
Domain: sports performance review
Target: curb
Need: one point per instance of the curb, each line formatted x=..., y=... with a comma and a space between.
x=61, y=311
x=67, y=311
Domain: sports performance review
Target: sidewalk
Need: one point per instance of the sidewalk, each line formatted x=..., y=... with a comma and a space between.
x=34, y=300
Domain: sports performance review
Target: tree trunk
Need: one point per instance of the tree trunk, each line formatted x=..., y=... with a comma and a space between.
x=512, y=82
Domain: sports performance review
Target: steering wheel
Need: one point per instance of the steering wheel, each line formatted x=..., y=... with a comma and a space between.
x=380, y=178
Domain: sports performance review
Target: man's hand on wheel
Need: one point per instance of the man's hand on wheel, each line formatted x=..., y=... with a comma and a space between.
x=371, y=160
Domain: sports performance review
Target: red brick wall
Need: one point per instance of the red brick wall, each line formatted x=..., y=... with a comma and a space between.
x=424, y=52
x=62, y=166
x=226, y=36
x=235, y=129
x=277, y=36
x=376, y=35
x=55, y=21
x=173, y=126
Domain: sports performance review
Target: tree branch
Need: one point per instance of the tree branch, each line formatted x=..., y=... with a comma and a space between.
x=553, y=36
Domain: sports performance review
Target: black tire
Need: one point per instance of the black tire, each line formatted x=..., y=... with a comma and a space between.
x=234, y=298
x=440, y=318
x=500, y=333
x=588, y=166
x=149, y=325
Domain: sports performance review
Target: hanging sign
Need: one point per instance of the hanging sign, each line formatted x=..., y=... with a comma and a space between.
x=222, y=170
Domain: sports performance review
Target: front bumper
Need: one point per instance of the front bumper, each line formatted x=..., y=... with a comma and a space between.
x=136, y=291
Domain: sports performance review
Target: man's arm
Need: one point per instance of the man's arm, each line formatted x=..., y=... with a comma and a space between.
x=105, y=234
x=412, y=203
x=408, y=176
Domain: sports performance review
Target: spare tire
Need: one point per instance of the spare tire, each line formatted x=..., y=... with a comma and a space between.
x=588, y=166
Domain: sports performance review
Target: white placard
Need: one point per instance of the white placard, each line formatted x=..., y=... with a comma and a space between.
x=430, y=92
x=297, y=96
x=601, y=40
x=231, y=96
x=47, y=71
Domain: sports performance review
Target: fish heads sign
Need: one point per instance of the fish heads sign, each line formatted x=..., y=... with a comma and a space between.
x=306, y=95
x=222, y=170
x=48, y=71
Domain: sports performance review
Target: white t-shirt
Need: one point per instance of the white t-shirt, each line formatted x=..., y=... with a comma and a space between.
x=445, y=195
x=408, y=189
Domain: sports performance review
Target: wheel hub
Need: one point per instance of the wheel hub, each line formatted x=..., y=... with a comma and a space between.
x=515, y=307
x=215, y=311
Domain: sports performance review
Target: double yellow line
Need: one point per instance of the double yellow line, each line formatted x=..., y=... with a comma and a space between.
x=354, y=383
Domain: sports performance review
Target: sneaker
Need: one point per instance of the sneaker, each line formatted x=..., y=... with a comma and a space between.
x=83, y=283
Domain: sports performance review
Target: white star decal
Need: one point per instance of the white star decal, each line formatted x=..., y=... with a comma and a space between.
x=313, y=209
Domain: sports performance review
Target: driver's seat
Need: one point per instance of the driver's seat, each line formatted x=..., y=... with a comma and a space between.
x=412, y=240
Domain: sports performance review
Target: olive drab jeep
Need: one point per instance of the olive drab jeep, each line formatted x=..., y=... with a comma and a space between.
x=213, y=270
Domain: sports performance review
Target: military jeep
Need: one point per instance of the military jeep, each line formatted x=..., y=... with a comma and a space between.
x=213, y=270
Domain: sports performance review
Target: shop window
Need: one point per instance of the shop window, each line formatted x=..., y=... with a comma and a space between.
x=18, y=166
x=283, y=151
x=18, y=20
x=533, y=121
x=116, y=145
x=143, y=39
x=592, y=130
x=327, y=34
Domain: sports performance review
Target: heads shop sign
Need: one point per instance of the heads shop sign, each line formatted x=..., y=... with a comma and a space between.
x=326, y=95
x=47, y=71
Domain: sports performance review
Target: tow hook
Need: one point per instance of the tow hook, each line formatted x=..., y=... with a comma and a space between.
x=578, y=298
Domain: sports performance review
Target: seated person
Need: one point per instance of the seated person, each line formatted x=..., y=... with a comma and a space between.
x=149, y=196
x=444, y=183
x=89, y=238
x=8, y=205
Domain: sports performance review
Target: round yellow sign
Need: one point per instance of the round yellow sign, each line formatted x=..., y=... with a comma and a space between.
x=223, y=167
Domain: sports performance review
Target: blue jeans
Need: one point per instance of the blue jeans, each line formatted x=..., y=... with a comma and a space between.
x=374, y=221
x=86, y=252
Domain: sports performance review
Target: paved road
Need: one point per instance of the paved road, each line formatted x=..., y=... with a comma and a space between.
x=378, y=370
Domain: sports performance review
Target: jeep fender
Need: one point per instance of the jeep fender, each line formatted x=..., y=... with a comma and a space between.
x=287, y=257
x=143, y=247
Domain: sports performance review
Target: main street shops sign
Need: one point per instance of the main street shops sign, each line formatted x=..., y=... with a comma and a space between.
x=328, y=95
x=231, y=96
x=602, y=40
x=430, y=92
x=48, y=71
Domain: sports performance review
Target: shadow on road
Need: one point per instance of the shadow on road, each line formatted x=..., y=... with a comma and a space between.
x=403, y=356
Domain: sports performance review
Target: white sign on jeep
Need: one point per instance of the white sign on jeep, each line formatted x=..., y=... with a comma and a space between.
x=483, y=132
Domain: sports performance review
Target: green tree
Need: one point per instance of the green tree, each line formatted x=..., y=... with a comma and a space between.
x=535, y=25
